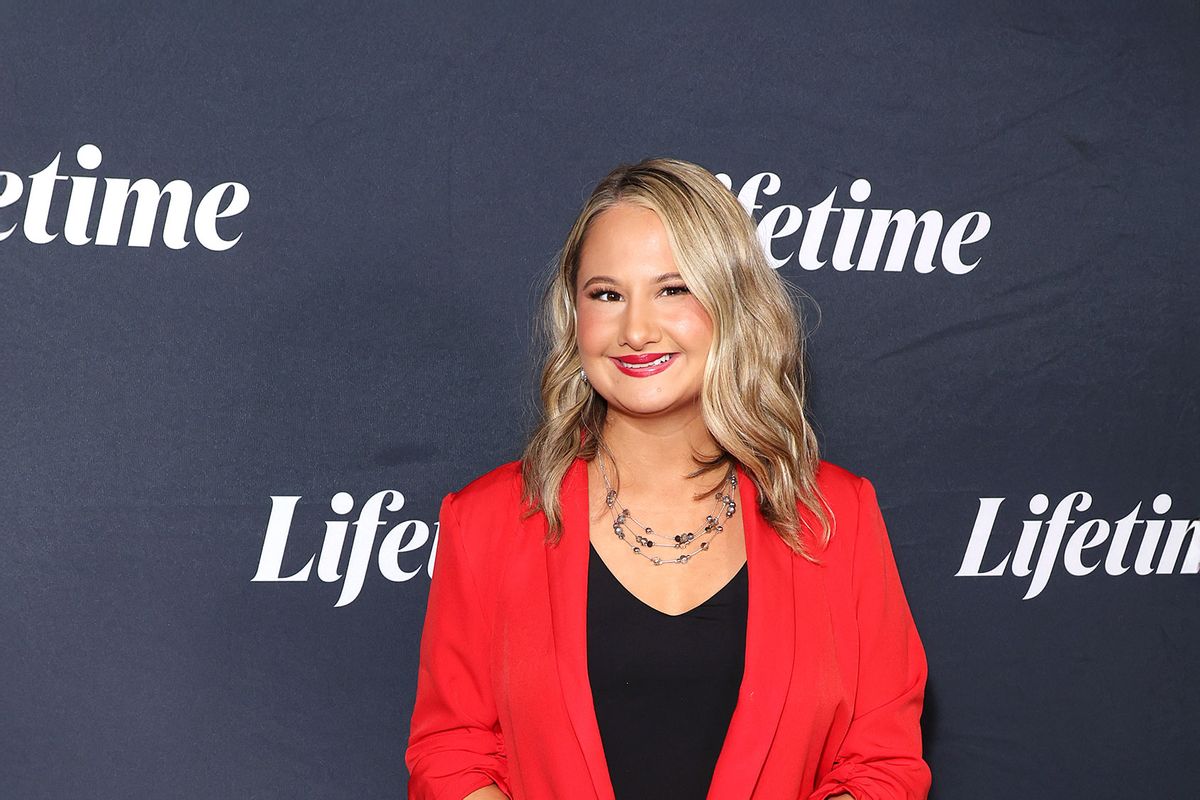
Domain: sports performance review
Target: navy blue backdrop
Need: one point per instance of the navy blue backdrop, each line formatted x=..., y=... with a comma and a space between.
x=324, y=281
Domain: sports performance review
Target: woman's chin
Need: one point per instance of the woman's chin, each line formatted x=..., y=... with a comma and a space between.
x=658, y=404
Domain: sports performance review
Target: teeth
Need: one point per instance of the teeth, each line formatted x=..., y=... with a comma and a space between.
x=653, y=363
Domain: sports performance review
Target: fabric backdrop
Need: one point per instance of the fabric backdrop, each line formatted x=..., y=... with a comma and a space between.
x=267, y=274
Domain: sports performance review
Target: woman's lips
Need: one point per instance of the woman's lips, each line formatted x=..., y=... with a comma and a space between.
x=652, y=359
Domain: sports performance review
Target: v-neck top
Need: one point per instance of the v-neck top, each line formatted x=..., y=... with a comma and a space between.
x=664, y=686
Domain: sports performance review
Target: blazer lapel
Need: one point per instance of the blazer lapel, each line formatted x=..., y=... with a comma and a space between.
x=567, y=568
x=770, y=640
x=770, y=652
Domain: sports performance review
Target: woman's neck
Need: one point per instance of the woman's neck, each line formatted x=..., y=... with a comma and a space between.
x=656, y=454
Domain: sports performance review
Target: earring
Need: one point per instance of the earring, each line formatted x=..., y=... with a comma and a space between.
x=583, y=375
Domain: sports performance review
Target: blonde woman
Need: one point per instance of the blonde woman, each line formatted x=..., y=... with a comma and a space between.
x=670, y=595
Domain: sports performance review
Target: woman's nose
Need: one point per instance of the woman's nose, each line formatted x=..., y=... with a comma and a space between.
x=639, y=325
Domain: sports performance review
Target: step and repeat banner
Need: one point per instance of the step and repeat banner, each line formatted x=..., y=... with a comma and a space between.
x=267, y=281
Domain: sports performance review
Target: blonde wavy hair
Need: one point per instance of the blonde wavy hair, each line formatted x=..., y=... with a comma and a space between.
x=754, y=394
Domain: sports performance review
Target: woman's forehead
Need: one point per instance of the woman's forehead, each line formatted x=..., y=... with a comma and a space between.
x=631, y=241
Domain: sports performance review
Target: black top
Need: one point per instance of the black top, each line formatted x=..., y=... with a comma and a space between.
x=664, y=687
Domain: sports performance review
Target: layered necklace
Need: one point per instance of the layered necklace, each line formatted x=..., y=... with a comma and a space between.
x=644, y=544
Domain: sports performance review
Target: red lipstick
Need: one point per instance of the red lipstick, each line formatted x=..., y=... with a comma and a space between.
x=625, y=363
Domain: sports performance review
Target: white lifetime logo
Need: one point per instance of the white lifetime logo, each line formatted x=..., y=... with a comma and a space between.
x=405, y=537
x=785, y=220
x=1087, y=535
x=117, y=192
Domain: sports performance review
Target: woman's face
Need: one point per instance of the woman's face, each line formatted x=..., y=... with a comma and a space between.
x=632, y=304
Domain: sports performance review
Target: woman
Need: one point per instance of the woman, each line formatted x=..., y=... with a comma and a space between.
x=670, y=595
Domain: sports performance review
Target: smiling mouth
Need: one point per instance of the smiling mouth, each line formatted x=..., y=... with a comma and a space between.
x=656, y=362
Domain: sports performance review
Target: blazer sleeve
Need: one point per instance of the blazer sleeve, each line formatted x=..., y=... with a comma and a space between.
x=880, y=757
x=454, y=745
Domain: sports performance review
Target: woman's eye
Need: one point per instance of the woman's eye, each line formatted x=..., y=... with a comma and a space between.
x=671, y=291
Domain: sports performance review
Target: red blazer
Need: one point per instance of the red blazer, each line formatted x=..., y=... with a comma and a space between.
x=830, y=699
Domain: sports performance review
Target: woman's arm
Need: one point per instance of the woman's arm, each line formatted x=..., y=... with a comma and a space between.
x=454, y=745
x=489, y=792
x=880, y=758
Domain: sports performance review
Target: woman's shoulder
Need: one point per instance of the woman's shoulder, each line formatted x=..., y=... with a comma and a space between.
x=854, y=508
x=860, y=535
x=839, y=486
x=496, y=491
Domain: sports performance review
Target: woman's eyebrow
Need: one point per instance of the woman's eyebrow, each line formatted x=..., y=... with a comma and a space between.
x=666, y=276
